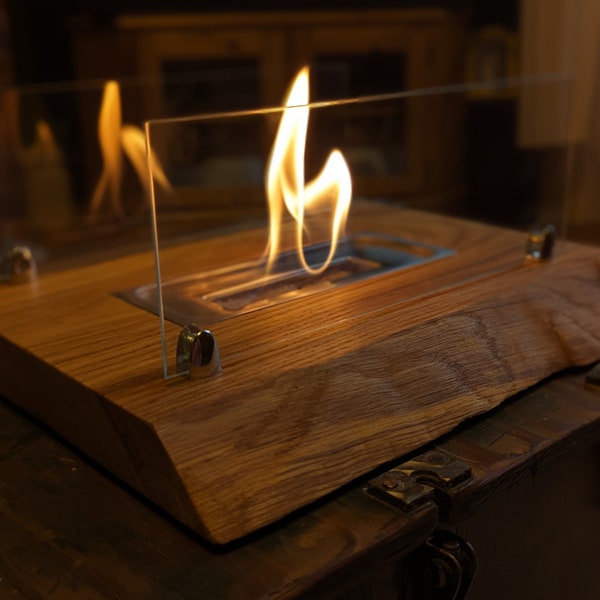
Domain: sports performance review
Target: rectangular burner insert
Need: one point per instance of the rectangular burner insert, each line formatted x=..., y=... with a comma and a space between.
x=210, y=296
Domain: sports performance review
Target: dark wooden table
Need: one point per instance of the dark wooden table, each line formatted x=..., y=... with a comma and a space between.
x=531, y=510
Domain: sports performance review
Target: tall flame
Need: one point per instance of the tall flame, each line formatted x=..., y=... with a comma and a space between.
x=285, y=180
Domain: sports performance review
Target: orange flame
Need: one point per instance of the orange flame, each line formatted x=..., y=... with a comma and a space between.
x=116, y=138
x=285, y=181
x=109, y=126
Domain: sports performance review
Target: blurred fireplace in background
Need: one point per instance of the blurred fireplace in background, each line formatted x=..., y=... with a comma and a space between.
x=439, y=153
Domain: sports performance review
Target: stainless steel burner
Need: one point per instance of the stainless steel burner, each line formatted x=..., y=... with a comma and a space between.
x=210, y=296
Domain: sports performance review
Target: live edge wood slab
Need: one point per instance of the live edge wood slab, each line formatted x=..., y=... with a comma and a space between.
x=315, y=392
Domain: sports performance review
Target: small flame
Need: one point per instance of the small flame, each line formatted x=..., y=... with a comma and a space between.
x=116, y=138
x=285, y=180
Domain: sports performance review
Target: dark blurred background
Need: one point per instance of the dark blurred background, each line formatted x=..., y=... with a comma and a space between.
x=496, y=154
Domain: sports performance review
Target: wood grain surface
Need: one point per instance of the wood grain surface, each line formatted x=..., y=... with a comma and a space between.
x=69, y=531
x=314, y=392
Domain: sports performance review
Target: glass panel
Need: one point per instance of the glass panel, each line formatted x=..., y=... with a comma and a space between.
x=492, y=151
x=372, y=137
x=470, y=159
x=68, y=190
x=72, y=193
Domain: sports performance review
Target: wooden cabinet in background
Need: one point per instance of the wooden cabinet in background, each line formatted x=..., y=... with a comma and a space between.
x=202, y=63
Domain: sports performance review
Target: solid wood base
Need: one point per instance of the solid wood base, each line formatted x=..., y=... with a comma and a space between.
x=314, y=392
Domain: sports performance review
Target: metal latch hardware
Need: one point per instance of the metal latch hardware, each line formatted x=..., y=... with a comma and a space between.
x=414, y=482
